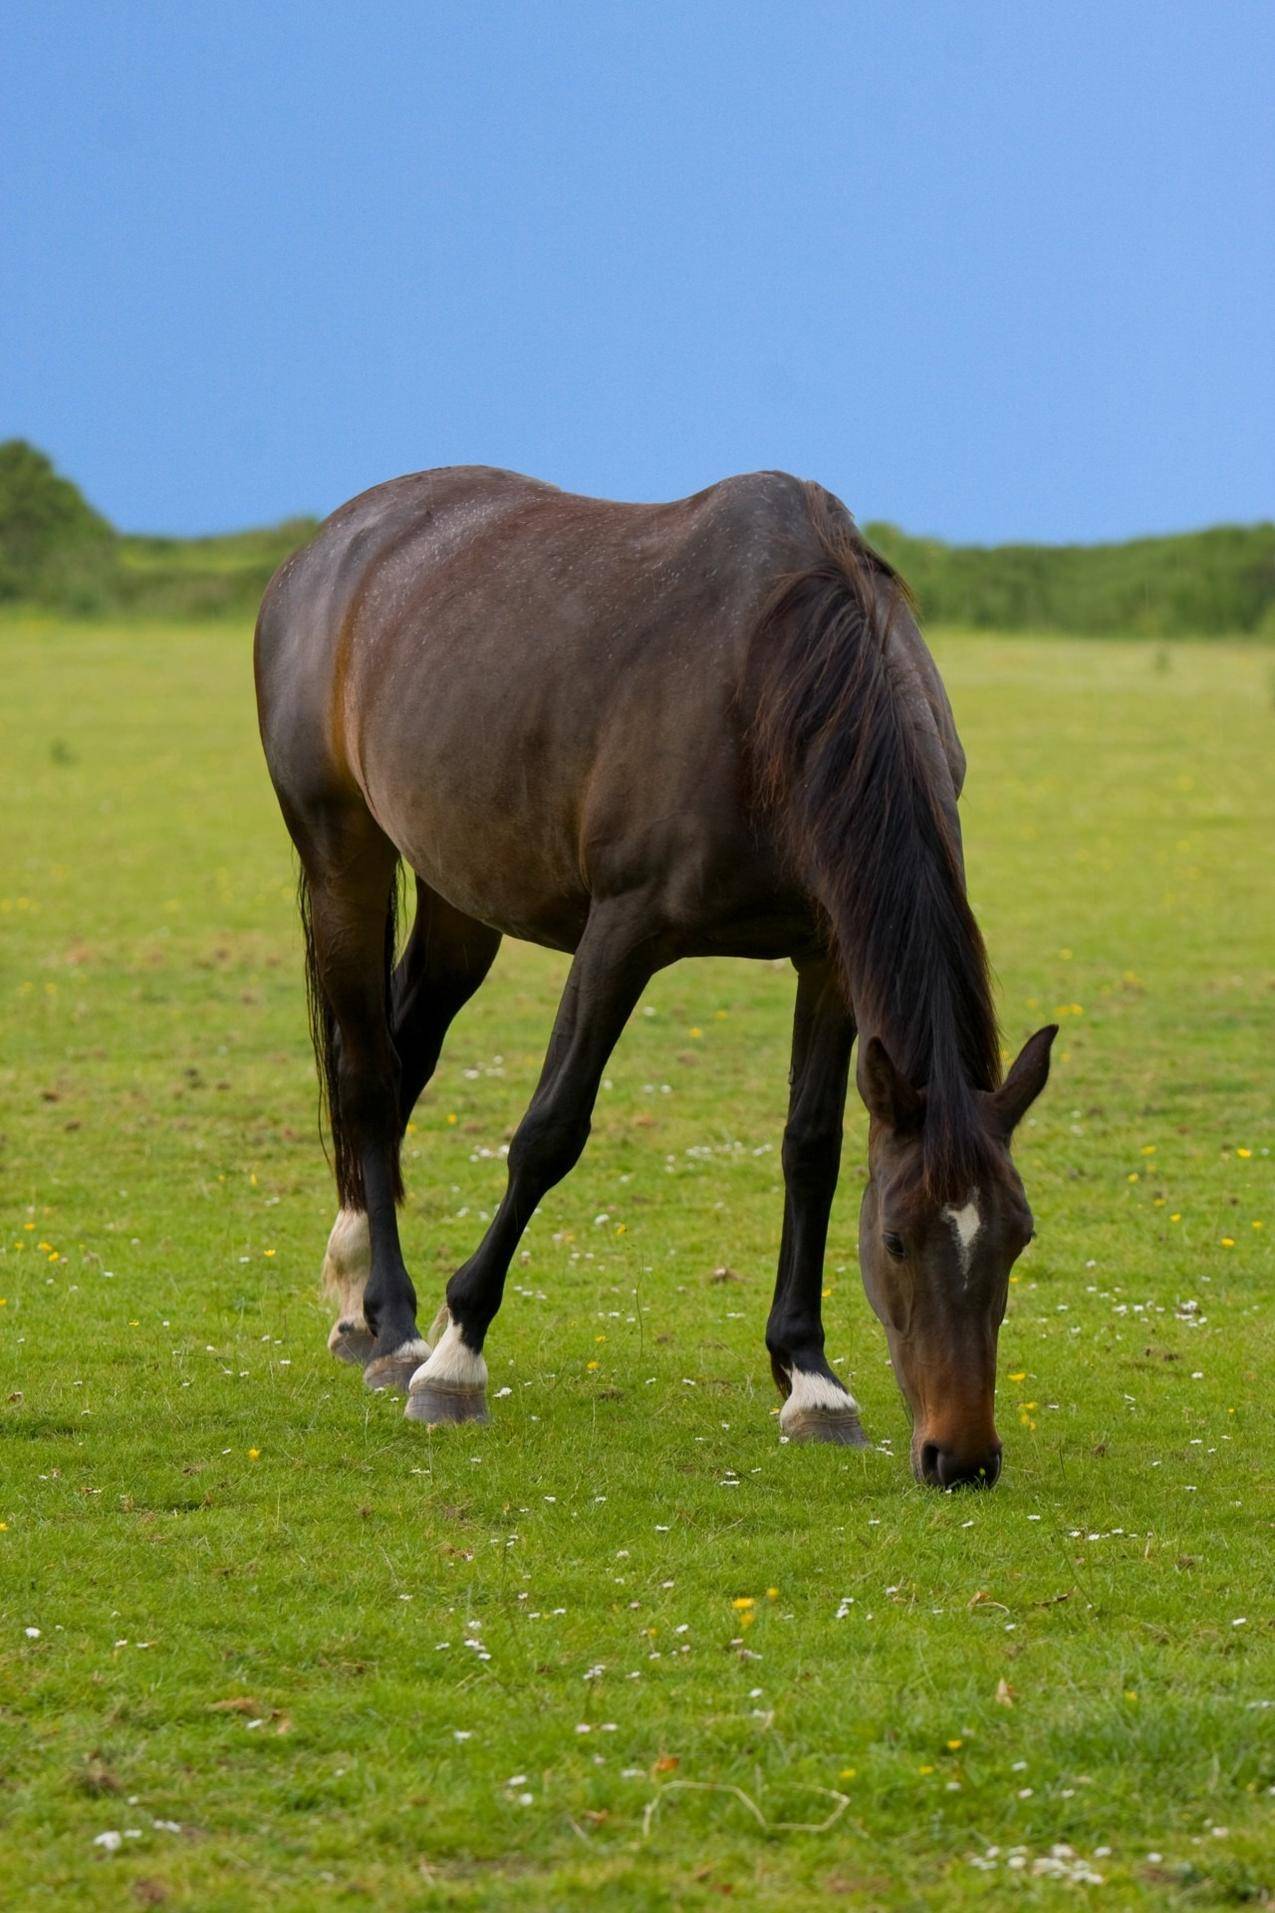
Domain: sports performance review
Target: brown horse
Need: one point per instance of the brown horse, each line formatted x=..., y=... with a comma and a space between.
x=639, y=733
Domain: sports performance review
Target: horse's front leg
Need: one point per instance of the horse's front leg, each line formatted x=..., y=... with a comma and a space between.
x=817, y=1405
x=618, y=952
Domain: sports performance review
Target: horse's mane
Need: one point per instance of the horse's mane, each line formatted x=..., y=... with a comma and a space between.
x=842, y=767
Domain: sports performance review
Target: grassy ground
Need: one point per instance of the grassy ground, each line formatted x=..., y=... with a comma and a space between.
x=287, y=1649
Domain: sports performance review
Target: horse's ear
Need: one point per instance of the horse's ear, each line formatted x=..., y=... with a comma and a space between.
x=1026, y=1079
x=888, y=1095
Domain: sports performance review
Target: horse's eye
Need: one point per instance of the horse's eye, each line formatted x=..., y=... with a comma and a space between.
x=894, y=1245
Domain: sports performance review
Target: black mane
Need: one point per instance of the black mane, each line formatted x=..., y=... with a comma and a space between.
x=843, y=769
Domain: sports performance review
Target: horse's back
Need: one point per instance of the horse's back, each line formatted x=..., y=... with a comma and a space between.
x=413, y=525
x=539, y=696
x=462, y=595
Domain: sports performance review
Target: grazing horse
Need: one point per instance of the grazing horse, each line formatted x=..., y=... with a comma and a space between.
x=638, y=733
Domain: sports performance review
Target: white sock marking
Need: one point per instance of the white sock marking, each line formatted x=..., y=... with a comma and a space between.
x=452, y=1364
x=347, y=1264
x=966, y=1224
x=415, y=1351
x=811, y=1392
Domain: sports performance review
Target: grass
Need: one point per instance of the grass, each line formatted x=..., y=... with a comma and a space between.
x=352, y=1662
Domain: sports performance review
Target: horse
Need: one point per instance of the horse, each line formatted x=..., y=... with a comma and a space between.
x=637, y=733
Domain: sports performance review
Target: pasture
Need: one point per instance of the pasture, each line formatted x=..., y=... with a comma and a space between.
x=283, y=1647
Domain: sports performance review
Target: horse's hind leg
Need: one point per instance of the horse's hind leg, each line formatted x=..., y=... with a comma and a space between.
x=349, y=869
x=618, y=953
x=446, y=958
x=817, y=1406
x=347, y=1264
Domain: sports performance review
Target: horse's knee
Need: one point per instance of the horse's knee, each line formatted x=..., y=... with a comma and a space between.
x=546, y=1147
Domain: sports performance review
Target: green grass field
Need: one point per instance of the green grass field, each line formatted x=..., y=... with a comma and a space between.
x=289, y=1650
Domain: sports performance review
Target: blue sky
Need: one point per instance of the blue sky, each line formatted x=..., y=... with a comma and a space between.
x=988, y=270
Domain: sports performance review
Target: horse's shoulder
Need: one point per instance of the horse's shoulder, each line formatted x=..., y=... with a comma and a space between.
x=762, y=518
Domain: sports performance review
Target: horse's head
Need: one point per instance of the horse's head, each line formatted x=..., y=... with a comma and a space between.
x=937, y=1273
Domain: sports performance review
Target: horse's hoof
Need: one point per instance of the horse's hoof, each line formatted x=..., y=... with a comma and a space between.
x=435, y=1402
x=838, y=1425
x=394, y=1372
x=351, y=1342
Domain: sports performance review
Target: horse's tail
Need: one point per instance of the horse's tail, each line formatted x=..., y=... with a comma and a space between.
x=344, y=1154
x=851, y=782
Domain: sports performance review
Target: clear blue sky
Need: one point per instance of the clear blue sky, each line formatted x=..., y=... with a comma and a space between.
x=988, y=270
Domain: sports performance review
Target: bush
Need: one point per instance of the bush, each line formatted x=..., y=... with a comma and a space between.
x=53, y=546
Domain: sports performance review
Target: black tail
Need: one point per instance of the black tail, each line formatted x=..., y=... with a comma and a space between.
x=854, y=788
x=344, y=1154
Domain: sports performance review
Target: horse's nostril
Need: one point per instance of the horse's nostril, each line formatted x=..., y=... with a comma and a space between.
x=932, y=1464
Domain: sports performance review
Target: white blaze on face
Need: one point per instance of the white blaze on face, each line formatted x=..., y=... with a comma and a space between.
x=966, y=1223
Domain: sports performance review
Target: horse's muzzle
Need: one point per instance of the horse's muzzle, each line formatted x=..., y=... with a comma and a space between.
x=941, y=1467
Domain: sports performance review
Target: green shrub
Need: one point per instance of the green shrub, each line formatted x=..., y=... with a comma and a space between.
x=53, y=546
x=1199, y=583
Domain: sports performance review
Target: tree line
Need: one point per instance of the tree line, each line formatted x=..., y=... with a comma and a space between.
x=58, y=553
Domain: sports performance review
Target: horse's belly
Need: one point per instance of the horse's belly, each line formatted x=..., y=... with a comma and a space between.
x=516, y=911
x=492, y=859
